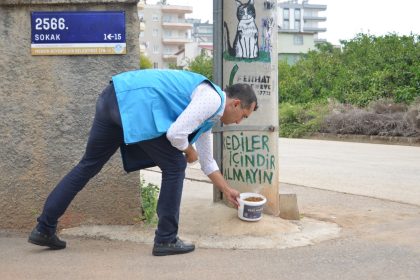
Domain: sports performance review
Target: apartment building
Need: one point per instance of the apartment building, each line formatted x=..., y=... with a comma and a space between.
x=202, y=35
x=202, y=32
x=164, y=31
x=299, y=27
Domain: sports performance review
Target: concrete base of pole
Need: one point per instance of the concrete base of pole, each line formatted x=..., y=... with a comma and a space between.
x=288, y=206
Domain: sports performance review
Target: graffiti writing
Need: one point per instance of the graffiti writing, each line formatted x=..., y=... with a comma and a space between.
x=248, y=159
x=267, y=26
x=260, y=83
x=268, y=5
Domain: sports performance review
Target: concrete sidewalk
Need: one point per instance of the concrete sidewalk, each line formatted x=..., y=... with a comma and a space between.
x=214, y=225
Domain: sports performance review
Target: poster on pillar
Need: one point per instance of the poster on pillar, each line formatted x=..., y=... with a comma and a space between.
x=250, y=157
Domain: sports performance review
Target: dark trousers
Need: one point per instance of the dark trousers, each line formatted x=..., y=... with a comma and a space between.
x=105, y=138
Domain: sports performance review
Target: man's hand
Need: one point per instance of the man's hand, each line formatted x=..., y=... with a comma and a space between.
x=232, y=195
x=191, y=154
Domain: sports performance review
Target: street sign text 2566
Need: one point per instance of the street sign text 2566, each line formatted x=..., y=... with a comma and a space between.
x=50, y=23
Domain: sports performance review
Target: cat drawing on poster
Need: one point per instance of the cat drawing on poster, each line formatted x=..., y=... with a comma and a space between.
x=245, y=44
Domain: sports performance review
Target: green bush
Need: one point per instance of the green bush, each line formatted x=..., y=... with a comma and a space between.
x=149, y=196
x=202, y=64
x=365, y=69
x=298, y=120
x=145, y=62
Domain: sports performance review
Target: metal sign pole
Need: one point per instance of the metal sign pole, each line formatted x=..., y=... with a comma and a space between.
x=218, y=79
x=249, y=150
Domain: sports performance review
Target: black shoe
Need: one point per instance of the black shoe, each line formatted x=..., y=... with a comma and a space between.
x=177, y=247
x=41, y=239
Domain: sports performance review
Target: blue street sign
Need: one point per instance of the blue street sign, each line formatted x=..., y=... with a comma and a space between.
x=78, y=33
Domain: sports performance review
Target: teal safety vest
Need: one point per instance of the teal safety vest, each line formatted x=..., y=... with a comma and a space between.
x=151, y=100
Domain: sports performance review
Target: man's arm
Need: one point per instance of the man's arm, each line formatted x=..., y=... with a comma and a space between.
x=204, y=103
x=230, y=194
x=209, y=166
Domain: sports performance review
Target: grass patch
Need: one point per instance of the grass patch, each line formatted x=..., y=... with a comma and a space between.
x=149, y=197
x=299, y=120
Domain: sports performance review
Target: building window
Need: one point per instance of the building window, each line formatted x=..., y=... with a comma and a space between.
x=168, y=33
x=141, y=34
x=286, y=13
x=155, y=32
x=167, y=18
x=286, y=24
x=310, y=13
x=155, y=65
x=298, y=39
x=297, y=25
x=155, y=49
x=297, y=14
x=155, y=17
x=168, y=50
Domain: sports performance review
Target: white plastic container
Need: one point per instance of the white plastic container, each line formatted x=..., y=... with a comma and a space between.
x=249, y=210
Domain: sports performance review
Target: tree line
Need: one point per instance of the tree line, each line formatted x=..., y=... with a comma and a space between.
x=364, y=69
x=369, y=85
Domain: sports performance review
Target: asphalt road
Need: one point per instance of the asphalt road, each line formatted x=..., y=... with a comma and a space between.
x=379, y=240
x=382, y=171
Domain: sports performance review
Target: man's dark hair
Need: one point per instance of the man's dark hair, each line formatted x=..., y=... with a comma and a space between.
x=243, y=92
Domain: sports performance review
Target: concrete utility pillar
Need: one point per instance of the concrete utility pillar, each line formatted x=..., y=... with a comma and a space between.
x=47, y=105
x=250, y=158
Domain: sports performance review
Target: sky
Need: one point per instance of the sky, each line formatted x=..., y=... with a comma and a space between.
x=345, y=18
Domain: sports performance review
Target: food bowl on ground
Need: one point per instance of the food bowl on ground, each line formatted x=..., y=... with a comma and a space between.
x=251, y=206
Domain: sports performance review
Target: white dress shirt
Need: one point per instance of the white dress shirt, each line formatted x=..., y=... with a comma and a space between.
x=204, y=103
